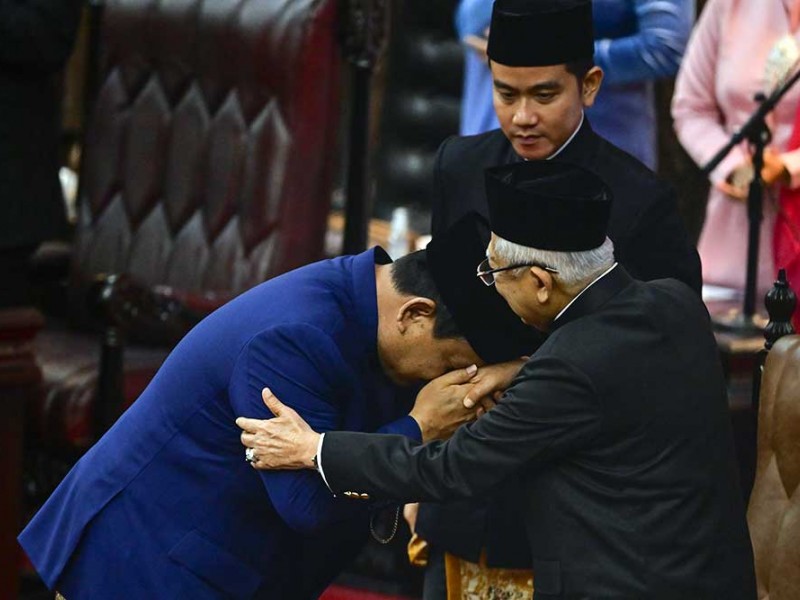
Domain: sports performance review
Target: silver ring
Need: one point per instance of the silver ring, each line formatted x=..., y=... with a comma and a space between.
x=250, y=455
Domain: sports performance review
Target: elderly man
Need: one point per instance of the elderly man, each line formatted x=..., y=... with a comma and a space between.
x=617, y=427
x=165, y=506
x=544, y=77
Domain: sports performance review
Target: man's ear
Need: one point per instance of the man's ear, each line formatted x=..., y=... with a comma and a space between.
x=543, y=280
x=418, y=310
x=591, y=85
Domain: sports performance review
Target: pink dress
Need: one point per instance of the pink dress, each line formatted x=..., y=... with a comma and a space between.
x=722, y=70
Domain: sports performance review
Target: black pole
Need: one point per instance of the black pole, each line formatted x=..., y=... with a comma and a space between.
x=358, y=209
x=759, y=138
x=365, y=25
x=110, y=386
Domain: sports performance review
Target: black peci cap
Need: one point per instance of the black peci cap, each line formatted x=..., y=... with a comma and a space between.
x=548, y=205
x=536, y=33
x=490, y=326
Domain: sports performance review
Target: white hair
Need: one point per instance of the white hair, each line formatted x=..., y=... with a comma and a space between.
x=574, y=268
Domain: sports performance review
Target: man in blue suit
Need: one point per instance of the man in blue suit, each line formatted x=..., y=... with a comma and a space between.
x=165, y=505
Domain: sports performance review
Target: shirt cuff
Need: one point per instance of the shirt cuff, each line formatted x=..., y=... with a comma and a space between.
x=319, y=463
x=406, y=426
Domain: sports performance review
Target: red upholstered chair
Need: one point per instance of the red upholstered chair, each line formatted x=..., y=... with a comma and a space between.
x=207, y=169
x=774, y=511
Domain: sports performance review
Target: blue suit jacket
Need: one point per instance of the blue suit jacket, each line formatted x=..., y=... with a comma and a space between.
x=165, y=506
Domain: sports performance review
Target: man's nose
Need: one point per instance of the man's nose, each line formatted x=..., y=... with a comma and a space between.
x=525, y=115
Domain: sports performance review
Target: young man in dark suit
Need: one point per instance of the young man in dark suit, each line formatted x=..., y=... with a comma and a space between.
x=617, y=428
x=540, y=54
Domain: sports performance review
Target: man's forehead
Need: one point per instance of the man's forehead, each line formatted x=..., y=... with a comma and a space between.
x=530, y=75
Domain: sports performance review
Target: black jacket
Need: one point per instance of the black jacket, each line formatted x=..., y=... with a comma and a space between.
x=647, y=231
x=36, y=38
x=650, y=241
x=618, y=431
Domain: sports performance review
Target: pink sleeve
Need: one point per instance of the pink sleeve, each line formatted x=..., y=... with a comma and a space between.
x=697, y=115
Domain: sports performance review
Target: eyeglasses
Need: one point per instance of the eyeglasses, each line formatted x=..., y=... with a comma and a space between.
x=486, y=273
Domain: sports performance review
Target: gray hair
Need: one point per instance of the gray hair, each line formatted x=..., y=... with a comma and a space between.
x=574, y=268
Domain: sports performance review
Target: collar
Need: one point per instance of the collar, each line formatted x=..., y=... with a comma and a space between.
x=570, y=151
x=365, y=295
x=594, y=295
x=581, y=147
x=569, y=140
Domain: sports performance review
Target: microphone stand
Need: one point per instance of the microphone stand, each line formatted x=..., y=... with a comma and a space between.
x=758, y=136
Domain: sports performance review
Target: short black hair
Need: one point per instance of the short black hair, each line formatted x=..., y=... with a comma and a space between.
x=412, y=277
x=580, y=68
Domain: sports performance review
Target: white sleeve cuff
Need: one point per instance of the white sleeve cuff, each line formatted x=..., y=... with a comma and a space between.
x=319, y=462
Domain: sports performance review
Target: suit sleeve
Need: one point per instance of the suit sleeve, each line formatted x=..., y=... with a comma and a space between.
x=551, y=410
x=659, y=246
x=38, y=34
x=304, y=368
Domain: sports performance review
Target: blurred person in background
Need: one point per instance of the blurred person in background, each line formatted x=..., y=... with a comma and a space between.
x=36, y=39
x=636, y=42
x=740, y=48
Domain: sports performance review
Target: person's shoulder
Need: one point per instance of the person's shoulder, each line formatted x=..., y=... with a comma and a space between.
x=295, y=345
x=315, y=295
x=480, y=148
x=628, y=166
x=672, y=291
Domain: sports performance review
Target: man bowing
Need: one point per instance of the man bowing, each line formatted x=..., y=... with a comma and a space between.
x=617, y=427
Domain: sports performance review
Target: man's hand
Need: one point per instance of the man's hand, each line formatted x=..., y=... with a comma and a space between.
x=491, y=381
x=439, y=409
x=284, y=442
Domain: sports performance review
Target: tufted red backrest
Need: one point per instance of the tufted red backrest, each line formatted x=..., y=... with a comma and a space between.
x=209, y=152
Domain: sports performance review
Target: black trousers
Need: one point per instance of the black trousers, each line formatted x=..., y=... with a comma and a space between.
x=435, y=583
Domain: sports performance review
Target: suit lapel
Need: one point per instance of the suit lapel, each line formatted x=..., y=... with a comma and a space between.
x=583, y=147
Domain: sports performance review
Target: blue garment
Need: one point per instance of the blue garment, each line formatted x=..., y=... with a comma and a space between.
x=165, y=506
x=636, y=42
x=477, y=111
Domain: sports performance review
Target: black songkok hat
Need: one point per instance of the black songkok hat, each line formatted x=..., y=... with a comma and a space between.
x=490, y=326
x=548, y=205
x=538, y=33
